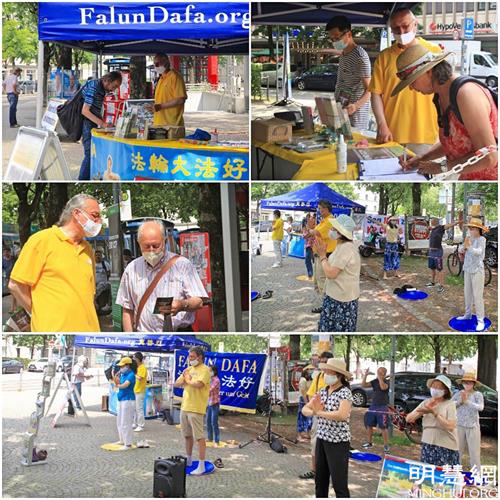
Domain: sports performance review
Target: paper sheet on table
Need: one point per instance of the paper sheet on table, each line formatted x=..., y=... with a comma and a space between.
x=387, y=169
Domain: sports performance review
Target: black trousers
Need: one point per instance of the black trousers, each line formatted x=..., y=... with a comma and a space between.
x=332, y=461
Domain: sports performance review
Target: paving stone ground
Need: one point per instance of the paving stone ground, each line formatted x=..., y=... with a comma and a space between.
x=289, y=309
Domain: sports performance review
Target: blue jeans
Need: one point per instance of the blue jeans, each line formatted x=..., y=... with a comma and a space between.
x=87, y=143
x=213, y=423
x=309, y=261
x=78, y=387
x=12, y=98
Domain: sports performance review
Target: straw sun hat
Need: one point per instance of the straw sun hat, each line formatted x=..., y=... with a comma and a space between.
x=468, y=377
x=414, y=62
x=475, y=222
x=336, y=365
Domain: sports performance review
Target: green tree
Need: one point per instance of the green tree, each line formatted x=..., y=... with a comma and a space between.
x=236, y=343
x=30, y=341
x=19, y=34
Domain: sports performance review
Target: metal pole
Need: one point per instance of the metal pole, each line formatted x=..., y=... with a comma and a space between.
x=277, y=61
x=462, y=65
x=231, y=256
x=391, y=380
x=41, y=85
x=452, y=211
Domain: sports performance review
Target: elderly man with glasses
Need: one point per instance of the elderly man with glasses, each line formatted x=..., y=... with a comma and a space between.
x=170, y=96
x=158, y=274
x=54, y=276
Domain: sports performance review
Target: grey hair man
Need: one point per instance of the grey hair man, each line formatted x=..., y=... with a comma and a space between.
x=177, y=279
x=54, y=276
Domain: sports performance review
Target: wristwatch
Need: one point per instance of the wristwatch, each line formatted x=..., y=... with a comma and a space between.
x=443, y=164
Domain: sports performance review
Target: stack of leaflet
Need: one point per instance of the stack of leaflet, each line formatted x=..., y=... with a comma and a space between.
x=382, y=165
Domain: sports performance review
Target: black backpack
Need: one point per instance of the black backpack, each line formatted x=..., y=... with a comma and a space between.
x=454, y=88
x=70, y=115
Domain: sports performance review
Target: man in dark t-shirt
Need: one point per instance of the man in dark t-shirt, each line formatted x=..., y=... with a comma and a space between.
x=435, y=255
x=377, y=414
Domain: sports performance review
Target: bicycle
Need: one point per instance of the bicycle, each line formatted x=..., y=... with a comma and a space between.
x=455, y=265
x=412, y=431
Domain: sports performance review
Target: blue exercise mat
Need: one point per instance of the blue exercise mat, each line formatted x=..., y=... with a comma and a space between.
x=365, y=457
x=468, y=325
x=413, y=295
x=209, y=468
x=255, y=295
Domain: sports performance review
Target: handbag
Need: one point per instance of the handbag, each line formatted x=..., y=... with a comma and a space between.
x=151, y=287
x=70, y=115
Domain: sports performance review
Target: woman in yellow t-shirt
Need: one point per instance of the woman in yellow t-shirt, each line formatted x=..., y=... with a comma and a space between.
x=391, y=251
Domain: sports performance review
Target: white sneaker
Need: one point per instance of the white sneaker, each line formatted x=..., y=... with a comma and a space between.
x=118, y=442
x=200, y=470
x=134, y=426
x=463, y=318
x=138, y=429
x=276, y=265
x=125, y=448
x=480, y=325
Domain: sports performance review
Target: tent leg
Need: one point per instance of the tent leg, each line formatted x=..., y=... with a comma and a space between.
x=231, y=256
x=246, y=82
x=41, y=85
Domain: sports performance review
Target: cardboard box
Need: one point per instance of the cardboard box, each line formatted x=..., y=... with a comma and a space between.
x=271, y=130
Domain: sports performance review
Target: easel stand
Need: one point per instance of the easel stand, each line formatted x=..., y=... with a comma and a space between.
x=36, y=416
x=72, y=393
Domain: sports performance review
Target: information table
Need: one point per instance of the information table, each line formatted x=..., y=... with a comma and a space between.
x=129, y=159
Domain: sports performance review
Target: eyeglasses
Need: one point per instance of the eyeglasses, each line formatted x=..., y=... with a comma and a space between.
x=93, y=215
x=152, y=246
x=339, y=37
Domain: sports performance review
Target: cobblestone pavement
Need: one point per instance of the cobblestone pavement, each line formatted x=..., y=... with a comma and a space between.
x=289, y=309
x=78, y=467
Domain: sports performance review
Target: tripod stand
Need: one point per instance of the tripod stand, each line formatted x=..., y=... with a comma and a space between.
x=268, y=435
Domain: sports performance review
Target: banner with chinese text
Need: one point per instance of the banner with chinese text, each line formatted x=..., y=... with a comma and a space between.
x=129, y=159
x=239, y=375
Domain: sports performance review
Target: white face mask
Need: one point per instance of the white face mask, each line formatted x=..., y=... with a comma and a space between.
x=437, y=393
x=332, y=234
x=153, y=258
x=405, y=38
x=195, y=362
x=339, y=45
x=331, y=379
x=160, y=69
x=90, y=228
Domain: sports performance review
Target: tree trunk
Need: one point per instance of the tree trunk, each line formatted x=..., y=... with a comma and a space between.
x=487, y=360
x=209, y=207
x=270, y=42
x=65, y=57
x=416, y=193
x=294, y=347
x=347, y=356
x=437, y=353
x=27, y=211
x=47, y=54
x=56, y=199
x=138, y=77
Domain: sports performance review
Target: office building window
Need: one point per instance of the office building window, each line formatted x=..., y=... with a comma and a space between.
x=449, y=7
x=469, y=6
x=459, y=7
x=439, y=7
x=493, y=5
x=481, y=6
x=428, y=7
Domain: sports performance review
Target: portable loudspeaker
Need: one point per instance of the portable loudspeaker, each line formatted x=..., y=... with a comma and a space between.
x=170, y=477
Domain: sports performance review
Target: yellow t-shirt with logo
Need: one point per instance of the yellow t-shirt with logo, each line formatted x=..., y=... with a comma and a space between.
x=324, y=228
x=140, y=385
x=61, y=277
x=170, y=86
x=277, y=233
x=317, y=384
x=411, y=116
x=195, y=400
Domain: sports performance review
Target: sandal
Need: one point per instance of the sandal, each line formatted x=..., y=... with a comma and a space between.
x=308, y=475
x=218, y=463
x=268, y=294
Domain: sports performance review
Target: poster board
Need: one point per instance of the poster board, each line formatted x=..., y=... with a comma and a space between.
x=417, y=232
x=50, y=118
x=372, y=224
x=37, y=155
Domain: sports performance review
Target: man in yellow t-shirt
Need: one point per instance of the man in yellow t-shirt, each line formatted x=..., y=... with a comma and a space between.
x=170, y=96
x=54, y=276
x=410, y=117
x=195, y=380
x=277, y=237
x=141, y=378
x=317, y=384
x=321, y=231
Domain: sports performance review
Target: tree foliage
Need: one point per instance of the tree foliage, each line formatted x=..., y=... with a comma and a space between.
x=236, y=343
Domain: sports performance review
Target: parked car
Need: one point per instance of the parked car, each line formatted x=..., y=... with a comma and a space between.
x=263, y=226
x=10, y=365
x=27, y=86
x=65, y=363
x=322, y=77
x=268, y=71
x=38, y=365
x=411, y=389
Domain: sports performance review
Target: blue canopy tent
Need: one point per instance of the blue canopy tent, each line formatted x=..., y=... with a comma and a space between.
x=140, y=342
x=177, y=28
x=307, y=199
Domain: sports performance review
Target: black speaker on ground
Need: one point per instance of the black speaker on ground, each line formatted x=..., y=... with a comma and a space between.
x=170, y=477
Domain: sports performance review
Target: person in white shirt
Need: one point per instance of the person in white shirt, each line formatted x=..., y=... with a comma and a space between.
x=11, y=87
x=78, y=376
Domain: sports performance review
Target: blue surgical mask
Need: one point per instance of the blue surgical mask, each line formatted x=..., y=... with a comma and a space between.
x=124, y=369
x=339, y=45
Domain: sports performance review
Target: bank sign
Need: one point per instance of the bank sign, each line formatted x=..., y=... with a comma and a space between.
x=239, y=376
x=451, y=27
x=85, y=21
